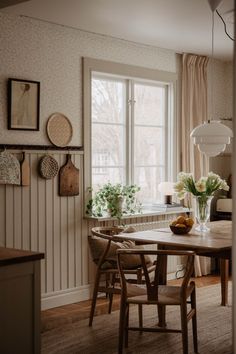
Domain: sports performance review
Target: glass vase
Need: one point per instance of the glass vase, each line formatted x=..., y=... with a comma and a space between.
x=202, y=212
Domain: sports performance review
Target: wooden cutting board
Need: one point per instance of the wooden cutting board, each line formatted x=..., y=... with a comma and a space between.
x=69, y=179
x=25, y=171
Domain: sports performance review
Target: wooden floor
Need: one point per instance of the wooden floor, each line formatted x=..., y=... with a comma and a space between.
x=59, y=316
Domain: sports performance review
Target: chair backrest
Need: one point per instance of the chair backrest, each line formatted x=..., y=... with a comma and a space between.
x=107, y=234
x=153, y=283
x=107, y=231
x=104, y=244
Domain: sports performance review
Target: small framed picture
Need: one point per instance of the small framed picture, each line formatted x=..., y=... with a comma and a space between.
x=23, y=104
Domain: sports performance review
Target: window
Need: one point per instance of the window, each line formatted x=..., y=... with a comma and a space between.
x=150, y=125
x=108, y=130
x=130, y=128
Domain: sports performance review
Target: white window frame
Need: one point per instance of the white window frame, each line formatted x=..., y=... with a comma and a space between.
x=138, y=74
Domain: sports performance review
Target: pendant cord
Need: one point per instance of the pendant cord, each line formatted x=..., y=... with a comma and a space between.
x=225, y=28
x=212, y=56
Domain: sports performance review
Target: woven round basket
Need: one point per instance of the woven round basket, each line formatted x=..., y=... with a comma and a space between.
x=59, y=130
x=48, y=167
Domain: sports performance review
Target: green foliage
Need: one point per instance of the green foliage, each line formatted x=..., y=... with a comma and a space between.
x=114, y=199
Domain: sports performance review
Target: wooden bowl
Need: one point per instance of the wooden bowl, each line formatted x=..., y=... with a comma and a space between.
x=180, y=230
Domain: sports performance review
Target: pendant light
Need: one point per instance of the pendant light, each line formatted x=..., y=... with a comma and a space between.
x=212, y=136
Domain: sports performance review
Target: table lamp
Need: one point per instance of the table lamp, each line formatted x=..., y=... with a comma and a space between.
x=167, y=189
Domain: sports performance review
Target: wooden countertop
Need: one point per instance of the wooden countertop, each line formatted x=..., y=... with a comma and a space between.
x=12, y=256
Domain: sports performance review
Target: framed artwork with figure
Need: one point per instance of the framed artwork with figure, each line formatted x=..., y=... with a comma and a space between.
x=23, y=104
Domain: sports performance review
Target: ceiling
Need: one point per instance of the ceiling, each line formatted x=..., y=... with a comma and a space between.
x=180, y=25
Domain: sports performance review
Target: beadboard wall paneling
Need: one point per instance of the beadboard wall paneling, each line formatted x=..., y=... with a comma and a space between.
x=36, y=218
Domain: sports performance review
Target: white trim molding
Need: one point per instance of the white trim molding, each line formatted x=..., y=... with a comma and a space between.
x=65, y=297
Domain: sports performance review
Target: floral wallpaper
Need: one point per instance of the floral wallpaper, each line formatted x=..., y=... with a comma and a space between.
x=49, y=53
x=222, y=89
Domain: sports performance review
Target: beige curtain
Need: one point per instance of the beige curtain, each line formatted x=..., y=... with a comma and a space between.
x=193, y=113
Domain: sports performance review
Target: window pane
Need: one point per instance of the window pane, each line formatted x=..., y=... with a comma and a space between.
x=149, y=140
x=149, y=146
x=149, y=104
x=108, y=131
x=108, y=100
x=108, y=143
x=148, y=179
x=103, y=175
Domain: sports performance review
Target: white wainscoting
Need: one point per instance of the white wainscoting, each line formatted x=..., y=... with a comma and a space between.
x=36, y=218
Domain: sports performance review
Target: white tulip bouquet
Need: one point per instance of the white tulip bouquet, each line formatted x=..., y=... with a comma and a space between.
x=203, y=191
x=204, y=187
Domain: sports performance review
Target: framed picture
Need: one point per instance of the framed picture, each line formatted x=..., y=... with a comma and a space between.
x=23, y=104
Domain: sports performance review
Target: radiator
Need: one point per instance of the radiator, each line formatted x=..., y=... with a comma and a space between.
x=174, y=263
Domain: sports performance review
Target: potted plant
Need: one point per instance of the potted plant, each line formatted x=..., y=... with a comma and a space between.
x=114, y=199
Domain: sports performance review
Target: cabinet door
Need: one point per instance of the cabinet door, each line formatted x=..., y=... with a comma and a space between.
x=20, y=308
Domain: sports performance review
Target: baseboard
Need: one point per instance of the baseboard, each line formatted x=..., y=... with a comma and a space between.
x=71, y=296
x=65, y=297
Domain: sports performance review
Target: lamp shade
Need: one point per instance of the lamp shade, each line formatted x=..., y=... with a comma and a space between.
x=211, y=137
x=166, y=188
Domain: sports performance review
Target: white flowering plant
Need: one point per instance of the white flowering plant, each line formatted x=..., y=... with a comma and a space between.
x=204, y=187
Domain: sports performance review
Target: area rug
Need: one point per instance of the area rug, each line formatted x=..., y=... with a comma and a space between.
x=214, y=331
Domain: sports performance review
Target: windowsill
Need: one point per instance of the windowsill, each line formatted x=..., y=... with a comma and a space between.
x=143, y=214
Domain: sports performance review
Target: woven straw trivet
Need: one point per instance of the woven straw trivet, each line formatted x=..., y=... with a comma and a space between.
x=48, y=167
x=59, y=130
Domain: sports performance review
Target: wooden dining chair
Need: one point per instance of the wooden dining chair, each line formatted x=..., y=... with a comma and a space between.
x=154, y=293
x=103, y=246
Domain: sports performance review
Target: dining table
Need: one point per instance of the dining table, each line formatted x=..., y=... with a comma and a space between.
x=216, y=243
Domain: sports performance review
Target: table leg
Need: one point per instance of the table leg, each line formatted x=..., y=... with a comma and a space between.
x=224, y=277
x=162, y=280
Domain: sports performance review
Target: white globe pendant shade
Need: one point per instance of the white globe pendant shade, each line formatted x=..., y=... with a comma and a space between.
x=166, y=188
x=211, y=137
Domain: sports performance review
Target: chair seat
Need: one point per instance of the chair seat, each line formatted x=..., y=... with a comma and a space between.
x=153, y=292
x=167, y=295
